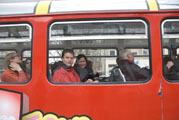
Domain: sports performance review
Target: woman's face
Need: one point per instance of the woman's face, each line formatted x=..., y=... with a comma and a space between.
x=28, y=64
x=82, y=62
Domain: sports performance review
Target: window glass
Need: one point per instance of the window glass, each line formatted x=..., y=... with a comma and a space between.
x=177, y=51
x=26, y=54
x=100, y=41
x=15, y=32
x=96, y=52
x=170, y=43
x=14, y=38
x=170, y=27
x=166, y=51
x=54, y=56
x=97, y=28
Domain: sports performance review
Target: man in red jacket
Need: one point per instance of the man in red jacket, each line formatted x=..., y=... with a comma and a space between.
x=65, y=73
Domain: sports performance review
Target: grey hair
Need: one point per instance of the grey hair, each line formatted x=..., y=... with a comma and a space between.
x=123, y=54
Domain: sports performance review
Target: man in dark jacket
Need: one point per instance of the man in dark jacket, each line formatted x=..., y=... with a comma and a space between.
x=131, y=71
x=116, y=74
x=170, y=69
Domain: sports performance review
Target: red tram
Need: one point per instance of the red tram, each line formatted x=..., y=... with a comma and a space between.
x=99, y=29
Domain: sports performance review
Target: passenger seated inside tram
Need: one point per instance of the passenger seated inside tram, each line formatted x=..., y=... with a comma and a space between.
x=116, y=74
x=84, y=69
x=27, y=67
x=64, y=72
x=170, y=69
x=97, y=74
x=176, y=63
x=131, y=71
x=14, y=72
x=54, y=66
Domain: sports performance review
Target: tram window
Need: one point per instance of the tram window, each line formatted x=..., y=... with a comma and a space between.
x=100, y=41
x=170, y=39
x=14, y=38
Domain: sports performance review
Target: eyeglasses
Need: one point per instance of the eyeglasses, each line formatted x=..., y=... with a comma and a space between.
x=15, y=56
x=28, y=62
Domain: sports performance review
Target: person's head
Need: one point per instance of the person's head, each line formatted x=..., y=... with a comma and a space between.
x=68, y=57
x=118, y=60
x=12, y=57
x=126, y=55
x=166, y=59
x=81, y=60
x=28, y=63
x=90, y=64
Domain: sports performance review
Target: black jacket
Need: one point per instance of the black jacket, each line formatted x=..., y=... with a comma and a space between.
x=116, y=75
x=171, y=74
x=85, y=73
x=133, y=72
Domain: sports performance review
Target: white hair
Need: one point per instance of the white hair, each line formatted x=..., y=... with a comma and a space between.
x=123, y=54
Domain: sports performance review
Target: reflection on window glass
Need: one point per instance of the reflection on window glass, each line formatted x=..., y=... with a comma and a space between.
x=14, y=38
x=97, y=28
x=177, y=51
x=140, y=51
x=55, y=56
x=55, y=53
x=26, y=54
x=170, y=42
x=96, y=52
x=100, y=41
x=15, y=32
x=171, y=27
x=165, y=51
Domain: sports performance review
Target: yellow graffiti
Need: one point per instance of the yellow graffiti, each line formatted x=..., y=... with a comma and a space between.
x=80, y=118
x=53, y=117
x=38, y=115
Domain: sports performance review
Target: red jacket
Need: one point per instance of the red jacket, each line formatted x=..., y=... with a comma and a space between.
x=64, y=74
x=11, y=76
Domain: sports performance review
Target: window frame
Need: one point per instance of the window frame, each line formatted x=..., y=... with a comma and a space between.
x=147, y=37
x=17, y=40
x=169, y=36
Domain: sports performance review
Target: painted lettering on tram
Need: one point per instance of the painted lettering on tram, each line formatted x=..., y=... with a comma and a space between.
x=38, y=115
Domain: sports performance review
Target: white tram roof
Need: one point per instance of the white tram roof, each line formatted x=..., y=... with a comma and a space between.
x=19, y=7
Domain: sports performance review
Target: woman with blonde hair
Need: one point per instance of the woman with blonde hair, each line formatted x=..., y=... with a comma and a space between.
x=14, y=72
